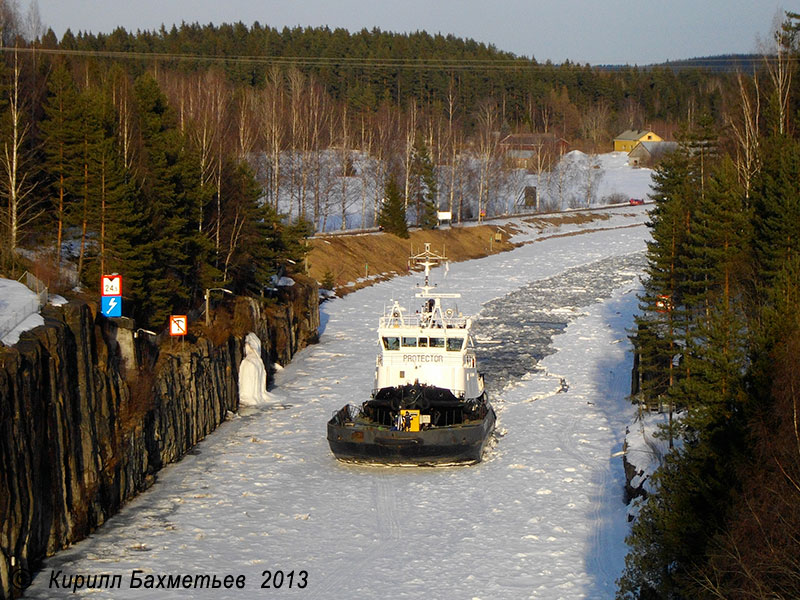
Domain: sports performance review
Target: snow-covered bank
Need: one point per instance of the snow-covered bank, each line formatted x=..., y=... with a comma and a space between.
x=19, y=310
x=542, y=517
x=575, y=180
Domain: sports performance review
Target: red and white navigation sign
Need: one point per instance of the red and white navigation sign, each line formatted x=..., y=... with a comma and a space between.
x=178, y=325
x=111, y=285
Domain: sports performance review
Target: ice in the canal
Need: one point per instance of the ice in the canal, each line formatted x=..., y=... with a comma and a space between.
x=541, y=517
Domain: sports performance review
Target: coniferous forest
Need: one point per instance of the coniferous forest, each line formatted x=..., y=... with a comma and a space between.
x=717, y=344
x=202, y=156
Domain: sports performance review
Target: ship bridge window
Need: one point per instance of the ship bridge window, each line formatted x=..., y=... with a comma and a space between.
x=455, y=344
x=409, y=342
x=391, y=343
x=436, y=342
x=423, y=342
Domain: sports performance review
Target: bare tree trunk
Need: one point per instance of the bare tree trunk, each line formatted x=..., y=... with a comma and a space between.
x=85, y=215
x=411, y=132
x=451, y=140
x=246, y=130
x=544, y=162
x=233, y=243
x=344, y=156
x=487, y=118
x=746, y=133
x=203, y=102
x=317, y=118
x=218, y=224
x=296, y=144
x=272, y=124
x=122, y=102
x=779, y=68
x=366, y=151
x=14, y=180
x=384, y=124
x=103, y=214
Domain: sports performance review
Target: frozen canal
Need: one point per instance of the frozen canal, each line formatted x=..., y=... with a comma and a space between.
x=541, y=517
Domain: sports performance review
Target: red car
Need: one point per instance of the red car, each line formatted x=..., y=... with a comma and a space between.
x=636, y=201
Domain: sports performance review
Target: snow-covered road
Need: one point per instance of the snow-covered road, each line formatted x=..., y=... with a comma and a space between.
x=541, y=517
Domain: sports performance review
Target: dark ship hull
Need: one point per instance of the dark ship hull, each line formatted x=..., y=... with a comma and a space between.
x=454, y=431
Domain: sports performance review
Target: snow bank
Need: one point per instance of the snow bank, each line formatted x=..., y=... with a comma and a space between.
x=19, y=311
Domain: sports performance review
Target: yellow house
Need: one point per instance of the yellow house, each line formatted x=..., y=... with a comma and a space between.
x=627, y=140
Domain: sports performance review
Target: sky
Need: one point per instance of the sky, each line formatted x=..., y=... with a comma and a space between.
x=583, y=31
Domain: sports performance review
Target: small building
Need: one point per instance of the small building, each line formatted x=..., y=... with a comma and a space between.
x=522, y=149
x=627, y=140
x=648, y=153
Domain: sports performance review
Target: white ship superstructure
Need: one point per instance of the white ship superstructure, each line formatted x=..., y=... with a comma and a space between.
x=431, y=347
x=428, y=403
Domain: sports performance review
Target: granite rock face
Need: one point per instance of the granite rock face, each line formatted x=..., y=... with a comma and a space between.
x=89, y=413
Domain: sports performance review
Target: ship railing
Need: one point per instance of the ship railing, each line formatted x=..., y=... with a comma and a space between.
x=457, y=392
x=347, y=414
x=423, y=320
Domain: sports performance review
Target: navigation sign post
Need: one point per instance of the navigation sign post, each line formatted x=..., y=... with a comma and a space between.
x=112, y=285
x=111, y=306
x=178, y=325
x=111, y=290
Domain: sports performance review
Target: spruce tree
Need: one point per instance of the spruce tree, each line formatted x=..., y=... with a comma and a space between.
x=392, y=217
x=718, y=247
x=59, y=137
x=663, y=311
x=83, y=177
x=181, y=266
x=776, y=202
x=424, y=186
x=251, y=232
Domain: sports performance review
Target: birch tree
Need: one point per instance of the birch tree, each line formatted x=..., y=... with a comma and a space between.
x=779, y=62
x=298, y=139
x=384, y=124
x=122, y=99
x=245, y=122
x=344, y=161
x=745, y=128
x=17, y=186
x=488, y=121
x=319, y=131
x=274, y=132
x=408, y=150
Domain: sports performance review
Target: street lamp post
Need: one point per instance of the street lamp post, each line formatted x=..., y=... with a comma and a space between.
x=208, y=294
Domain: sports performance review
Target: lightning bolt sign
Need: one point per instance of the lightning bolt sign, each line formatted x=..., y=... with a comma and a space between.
x=111, y=306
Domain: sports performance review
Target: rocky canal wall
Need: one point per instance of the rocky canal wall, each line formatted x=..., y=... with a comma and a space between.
x=89, y=412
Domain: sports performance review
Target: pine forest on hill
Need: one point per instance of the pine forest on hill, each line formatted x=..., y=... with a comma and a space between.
x=195, y=157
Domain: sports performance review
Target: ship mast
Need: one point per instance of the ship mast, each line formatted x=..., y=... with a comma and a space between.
x=429, y=259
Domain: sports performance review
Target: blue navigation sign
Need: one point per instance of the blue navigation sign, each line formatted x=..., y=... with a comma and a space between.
x=111, y=306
